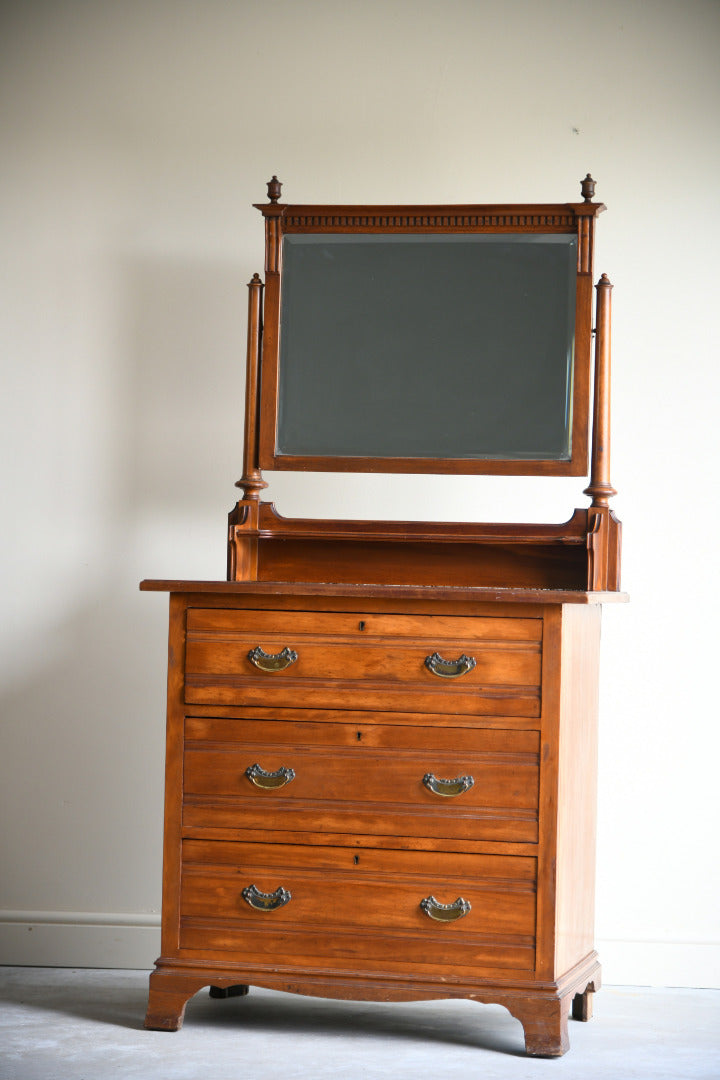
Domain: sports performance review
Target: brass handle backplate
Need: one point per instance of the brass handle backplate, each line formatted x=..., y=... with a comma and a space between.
x=449, y=669
x=267, y=780
x=445, y=912
x=272, y=661
x=263, y=901
x=448, y=788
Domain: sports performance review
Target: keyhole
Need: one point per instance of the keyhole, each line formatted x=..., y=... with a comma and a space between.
x=356, y=859
x=361, y=625
x=359, y=736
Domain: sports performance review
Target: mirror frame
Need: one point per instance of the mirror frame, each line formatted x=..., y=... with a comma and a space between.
x=285, y=219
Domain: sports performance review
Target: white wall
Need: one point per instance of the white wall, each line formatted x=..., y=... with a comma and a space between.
x=135, y=137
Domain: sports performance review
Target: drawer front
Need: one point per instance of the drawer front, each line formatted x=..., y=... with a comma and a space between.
x=467, y=780
x=213, y=815
x=340, y=728
x=460, y=663
x=357, y=624
x=327, y=903
x=357, y=780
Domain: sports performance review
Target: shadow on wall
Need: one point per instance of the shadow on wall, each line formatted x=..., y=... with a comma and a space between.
x=83, y=747
x=186, y=360
x=84, y=722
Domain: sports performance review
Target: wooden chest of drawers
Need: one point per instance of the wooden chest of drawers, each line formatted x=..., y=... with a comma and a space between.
x=380, y=778
x=381, y=793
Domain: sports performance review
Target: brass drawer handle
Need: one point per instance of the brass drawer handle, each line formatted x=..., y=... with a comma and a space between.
x=262, y=779
x=272, y=661
x=448, y=788
x=445, y=912
x=449, y=669
x=266, y=901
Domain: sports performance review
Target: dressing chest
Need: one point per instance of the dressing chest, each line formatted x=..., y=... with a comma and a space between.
x=381, y=735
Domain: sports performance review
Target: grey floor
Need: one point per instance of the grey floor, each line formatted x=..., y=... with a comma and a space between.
x=61, y=1024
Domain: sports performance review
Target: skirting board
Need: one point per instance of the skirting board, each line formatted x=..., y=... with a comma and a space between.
x=78, y=939
x=660, y=963
x=98, y=939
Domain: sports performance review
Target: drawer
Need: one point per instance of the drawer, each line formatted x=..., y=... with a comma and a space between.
x=471, y=784
x=419, y=778
x=293, y=727
x=394, y=661
x=335, y=903
x=353, y=624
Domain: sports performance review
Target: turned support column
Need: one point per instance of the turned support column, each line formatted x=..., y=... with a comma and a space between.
x=251, y=480
x=604, y=530
x=242, y=550
x=600, y=488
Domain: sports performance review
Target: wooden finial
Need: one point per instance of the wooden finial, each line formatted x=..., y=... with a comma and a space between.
x=274, y=188
x=587, y=188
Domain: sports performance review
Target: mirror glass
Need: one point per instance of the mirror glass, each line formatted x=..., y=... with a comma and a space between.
x=427, y=346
